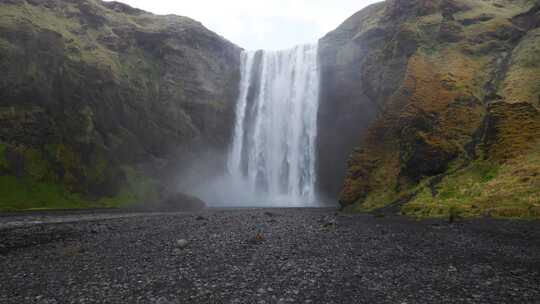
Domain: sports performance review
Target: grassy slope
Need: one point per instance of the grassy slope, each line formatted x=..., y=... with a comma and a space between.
x=484, y=188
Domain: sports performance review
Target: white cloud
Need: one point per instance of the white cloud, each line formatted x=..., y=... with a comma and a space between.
x=261, y=24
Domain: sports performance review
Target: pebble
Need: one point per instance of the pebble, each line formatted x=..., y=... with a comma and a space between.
x=295, y=264
x=182, y=243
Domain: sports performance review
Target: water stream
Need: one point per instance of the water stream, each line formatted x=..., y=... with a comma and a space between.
x=273, y=155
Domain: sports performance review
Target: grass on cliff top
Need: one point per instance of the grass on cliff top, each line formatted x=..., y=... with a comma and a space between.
x=81, y=40
x=510, y=190
x=83, y=44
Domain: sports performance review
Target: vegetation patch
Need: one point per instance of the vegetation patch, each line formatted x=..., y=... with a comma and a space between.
x=23, y=194
x=521, y=82
x=484, y=189
x=3, y=160
x=19, y=194
x=40, y=188
x=36, y=167
x=376, y=200
x=138, y=188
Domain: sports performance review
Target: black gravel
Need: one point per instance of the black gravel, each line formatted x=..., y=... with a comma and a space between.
x=266, y=256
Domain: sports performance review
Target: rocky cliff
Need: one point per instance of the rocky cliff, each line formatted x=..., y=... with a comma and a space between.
x=99, y=100
x=441, y=100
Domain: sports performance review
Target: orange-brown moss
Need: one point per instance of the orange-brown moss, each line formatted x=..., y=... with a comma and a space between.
x=442, y=118
x=513, y=129
x=424, y=125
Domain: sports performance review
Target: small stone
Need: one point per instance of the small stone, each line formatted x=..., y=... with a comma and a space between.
x=182, y=243
x=162, y=300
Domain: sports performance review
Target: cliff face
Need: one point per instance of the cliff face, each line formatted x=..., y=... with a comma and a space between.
x=98, y=100
x=441, y=99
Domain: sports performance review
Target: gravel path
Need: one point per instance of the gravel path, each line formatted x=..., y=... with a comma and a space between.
x=265, y=256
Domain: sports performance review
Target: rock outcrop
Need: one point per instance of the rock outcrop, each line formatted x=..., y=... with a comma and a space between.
x=441, y=99
x=99, y=100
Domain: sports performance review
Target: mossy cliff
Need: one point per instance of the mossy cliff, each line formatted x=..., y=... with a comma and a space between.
x=98, y=100
x=441, y=100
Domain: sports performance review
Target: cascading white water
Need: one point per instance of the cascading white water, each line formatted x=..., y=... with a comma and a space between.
x=273, y=155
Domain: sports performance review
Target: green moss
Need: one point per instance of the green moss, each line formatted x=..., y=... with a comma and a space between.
x=429, y=49
x=456, y=192
x=72, y=170
x=5, y=46
x=142, y=71
x=36, y=167
x=3, y=159
x=123, y=199
x=26, y=194
x=98, y=172
x=66, y=156
x=483, y=189
x=43, y=18
x=22, y=194
x=140, y=185
x=41, y=189
x=376, y=200
x=80, y=39
x=523, y=76
x=138, y=188
x=527, y=53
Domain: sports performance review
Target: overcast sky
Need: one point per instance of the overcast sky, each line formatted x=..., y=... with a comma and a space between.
x=261, y=24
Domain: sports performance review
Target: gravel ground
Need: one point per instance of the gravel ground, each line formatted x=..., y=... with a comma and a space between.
x=265, y=256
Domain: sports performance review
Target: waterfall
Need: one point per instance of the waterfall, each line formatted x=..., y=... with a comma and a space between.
x=273, y=155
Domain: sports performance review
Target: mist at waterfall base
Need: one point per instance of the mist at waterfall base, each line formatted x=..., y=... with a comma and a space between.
x=272, y=158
